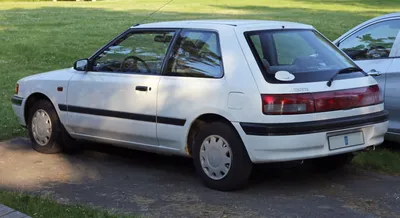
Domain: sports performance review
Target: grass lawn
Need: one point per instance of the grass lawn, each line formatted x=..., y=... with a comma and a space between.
x=42, y=207
x=382, y=160
x=42, y=36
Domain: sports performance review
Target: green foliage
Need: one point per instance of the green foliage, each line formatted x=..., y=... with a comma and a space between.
x=35, y=206
x=383, y=160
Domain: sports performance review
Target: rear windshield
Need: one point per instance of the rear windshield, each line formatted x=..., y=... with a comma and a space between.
x=305, y=54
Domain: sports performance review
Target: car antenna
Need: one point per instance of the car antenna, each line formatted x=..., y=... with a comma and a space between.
x=151, y=14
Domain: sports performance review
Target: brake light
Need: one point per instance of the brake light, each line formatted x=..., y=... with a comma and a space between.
x=321, y=101
x=288, y=104
x=346, y=99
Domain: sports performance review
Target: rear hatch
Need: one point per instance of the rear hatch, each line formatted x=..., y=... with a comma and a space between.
x=305, y=75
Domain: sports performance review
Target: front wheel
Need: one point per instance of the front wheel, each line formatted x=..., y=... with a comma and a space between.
x=46, y=132
x=44, y=128
x=220, y=157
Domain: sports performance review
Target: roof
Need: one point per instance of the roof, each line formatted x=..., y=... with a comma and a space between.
x=385, y=16
x=234, y=23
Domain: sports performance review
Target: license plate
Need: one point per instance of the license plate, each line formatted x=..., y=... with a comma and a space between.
x=346, y=140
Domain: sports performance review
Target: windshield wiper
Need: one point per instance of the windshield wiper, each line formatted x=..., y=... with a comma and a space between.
x=344, y=70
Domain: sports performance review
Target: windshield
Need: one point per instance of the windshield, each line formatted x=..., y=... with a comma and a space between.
x=305, y=54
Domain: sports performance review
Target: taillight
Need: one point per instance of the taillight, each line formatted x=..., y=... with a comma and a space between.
x=321, y=101
x=288, y=104
x=346, y=99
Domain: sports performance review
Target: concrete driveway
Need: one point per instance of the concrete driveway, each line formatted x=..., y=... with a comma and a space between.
x=159, y=186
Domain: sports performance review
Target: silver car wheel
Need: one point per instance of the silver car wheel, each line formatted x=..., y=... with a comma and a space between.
x=215, y=157
x=41, y=127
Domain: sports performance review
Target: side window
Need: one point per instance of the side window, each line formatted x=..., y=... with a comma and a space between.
x=196, y=54
x=373, y=42
x=135, y=53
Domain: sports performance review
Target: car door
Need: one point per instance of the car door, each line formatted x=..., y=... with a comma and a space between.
x=375, y=48
x=115, y=100
x=371, y=48
x=392, y=93
x=190, y=83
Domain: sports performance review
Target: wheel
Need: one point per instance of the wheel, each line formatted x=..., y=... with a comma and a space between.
x=46, y=132
x=44, y=128
x=220, y=158
x=331, y=163
x=69, y=145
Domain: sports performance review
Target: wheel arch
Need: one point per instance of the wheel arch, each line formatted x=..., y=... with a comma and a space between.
x=32, y=99
x=198, y=122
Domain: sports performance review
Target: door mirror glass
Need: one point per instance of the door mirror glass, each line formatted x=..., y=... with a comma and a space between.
x=81, y=65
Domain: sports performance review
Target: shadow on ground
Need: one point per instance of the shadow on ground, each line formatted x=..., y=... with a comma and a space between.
x=391, y=146
x=136, y=182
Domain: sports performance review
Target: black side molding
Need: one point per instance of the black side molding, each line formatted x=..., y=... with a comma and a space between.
x=274, y=129
x=63, y=107
x=171, y=121
x=15, y=100
x=123, y=115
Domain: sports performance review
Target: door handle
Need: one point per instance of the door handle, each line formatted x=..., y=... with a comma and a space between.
x=373, y=72
x=141, y=88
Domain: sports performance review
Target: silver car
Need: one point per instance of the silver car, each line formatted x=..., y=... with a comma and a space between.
x=375, y=47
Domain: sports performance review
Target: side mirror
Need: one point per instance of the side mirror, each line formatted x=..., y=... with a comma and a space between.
x=81, y=64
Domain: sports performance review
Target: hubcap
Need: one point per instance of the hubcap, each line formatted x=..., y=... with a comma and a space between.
x=215, y=157
x=41, y=127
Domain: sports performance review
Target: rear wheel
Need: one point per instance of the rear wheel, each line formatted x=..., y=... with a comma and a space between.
x=46, y=132
x=220, y=157
x=326, y=164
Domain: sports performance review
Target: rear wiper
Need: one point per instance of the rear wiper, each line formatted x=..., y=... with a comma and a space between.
x=344, y=70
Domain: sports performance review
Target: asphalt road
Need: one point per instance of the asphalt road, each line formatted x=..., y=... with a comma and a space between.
x=160, y=186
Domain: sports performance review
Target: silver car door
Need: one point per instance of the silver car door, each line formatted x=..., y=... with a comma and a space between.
x=392, y=89
x=371, y=48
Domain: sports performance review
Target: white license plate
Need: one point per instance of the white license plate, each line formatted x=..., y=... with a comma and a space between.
x=346, y=140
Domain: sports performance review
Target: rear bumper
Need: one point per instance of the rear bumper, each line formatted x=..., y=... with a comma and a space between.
x=280, y=142
x=272, y=129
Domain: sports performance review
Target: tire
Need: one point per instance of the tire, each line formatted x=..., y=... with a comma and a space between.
x=237, y=173
x=331, y=163
x=58, y=140
x=69, y=145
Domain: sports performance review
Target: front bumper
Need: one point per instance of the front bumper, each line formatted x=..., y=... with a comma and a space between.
x=300, y=141
x=17, y=105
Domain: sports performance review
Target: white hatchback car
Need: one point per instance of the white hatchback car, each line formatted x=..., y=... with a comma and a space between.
x=228, y=93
